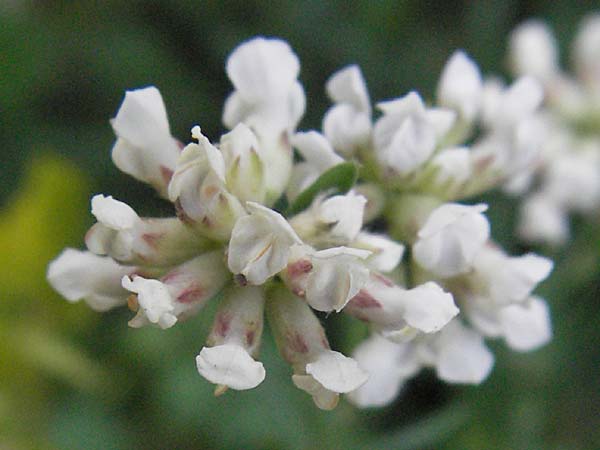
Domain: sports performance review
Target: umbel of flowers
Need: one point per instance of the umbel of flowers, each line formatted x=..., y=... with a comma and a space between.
x=278, y=223
x=566, y=177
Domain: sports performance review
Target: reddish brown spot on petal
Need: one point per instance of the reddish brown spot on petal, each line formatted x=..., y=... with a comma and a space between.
x=132, y=302
x=193, y=293
x=181, y=215
x=384, y=280
x=180, y=144
x=250, y=335
x=300, y=267
x=170, y=276
x=152, y=239
x=297, y=343
x=166, y=173
x=222, y=324
x=364, y=300
x=211, y=190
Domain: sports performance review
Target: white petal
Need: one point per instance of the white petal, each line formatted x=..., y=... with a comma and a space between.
x=231, y=366
x=410, y=146
x=460, y=85
x=463, y=356
x=346, y=128
x=77, y=275
x=145, y=148
x=386, y=253
x=348, y=86
x=260, y=244
x=587, y=48
x=428, y=308
x=519, y=276
x=533, y=50
x=155, y=301
x=454, y=165
x=411, y=103
x=344, y=214
x=262, y=67
x=113, y=213
x=542, y=220
x=381, y=359
x=142, y=117
x=316, y=150
x=337, y=372
x=337, y=276
x=451, y=237
x=526, y=326
x=521, y=99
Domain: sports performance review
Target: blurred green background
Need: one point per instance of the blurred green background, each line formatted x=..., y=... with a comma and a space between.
x=74, y=379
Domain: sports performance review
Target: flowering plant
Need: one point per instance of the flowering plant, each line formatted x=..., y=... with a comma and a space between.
x=363, y=219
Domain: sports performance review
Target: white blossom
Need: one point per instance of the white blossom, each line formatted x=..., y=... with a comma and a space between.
x=450, y=238
x=77, y=275
x=260, y=244
x=318, y=156
x=533, y=50
x=460, y=86
x=347, y=124
x=145, y=148
x=407, y=133
x=155, y=302
x=386, y=253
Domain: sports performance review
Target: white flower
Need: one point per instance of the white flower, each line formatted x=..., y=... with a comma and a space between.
x=507, y=107
x=533, y=50
x=301, y=340
x=145, y=148
x=155, y=302
x=235, y=337
x=260, y=244
x=270, y=100
x=337, y=276
x=526, y=326
x=460, y=86
x=347, y=124
x=198, y=189
x=245, y=167
x=454, y=166
x=386, y=254
x=541, y=219
x=450, y=238
x=401, y=314
x=509, y=279
x=334, y=220
x=264, y=73
x=587, y=50
x=461, y=355
x=383, y=360
x=230, y=365
x=77, y=275
x=407, y=133
x=124, y=236
x=318, y=156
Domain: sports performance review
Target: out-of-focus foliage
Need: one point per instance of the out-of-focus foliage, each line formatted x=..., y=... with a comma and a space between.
x=71, y=378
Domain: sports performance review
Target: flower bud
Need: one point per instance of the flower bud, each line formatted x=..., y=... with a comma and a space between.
x=460, y=86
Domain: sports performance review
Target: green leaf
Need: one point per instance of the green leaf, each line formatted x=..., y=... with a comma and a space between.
x=339, y=179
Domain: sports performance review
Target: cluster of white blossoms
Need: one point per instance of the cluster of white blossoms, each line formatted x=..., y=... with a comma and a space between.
x=278, y=222
x=567, y=176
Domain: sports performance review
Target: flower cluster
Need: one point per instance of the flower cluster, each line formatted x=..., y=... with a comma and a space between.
x=567, y=176
x=271, y=221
